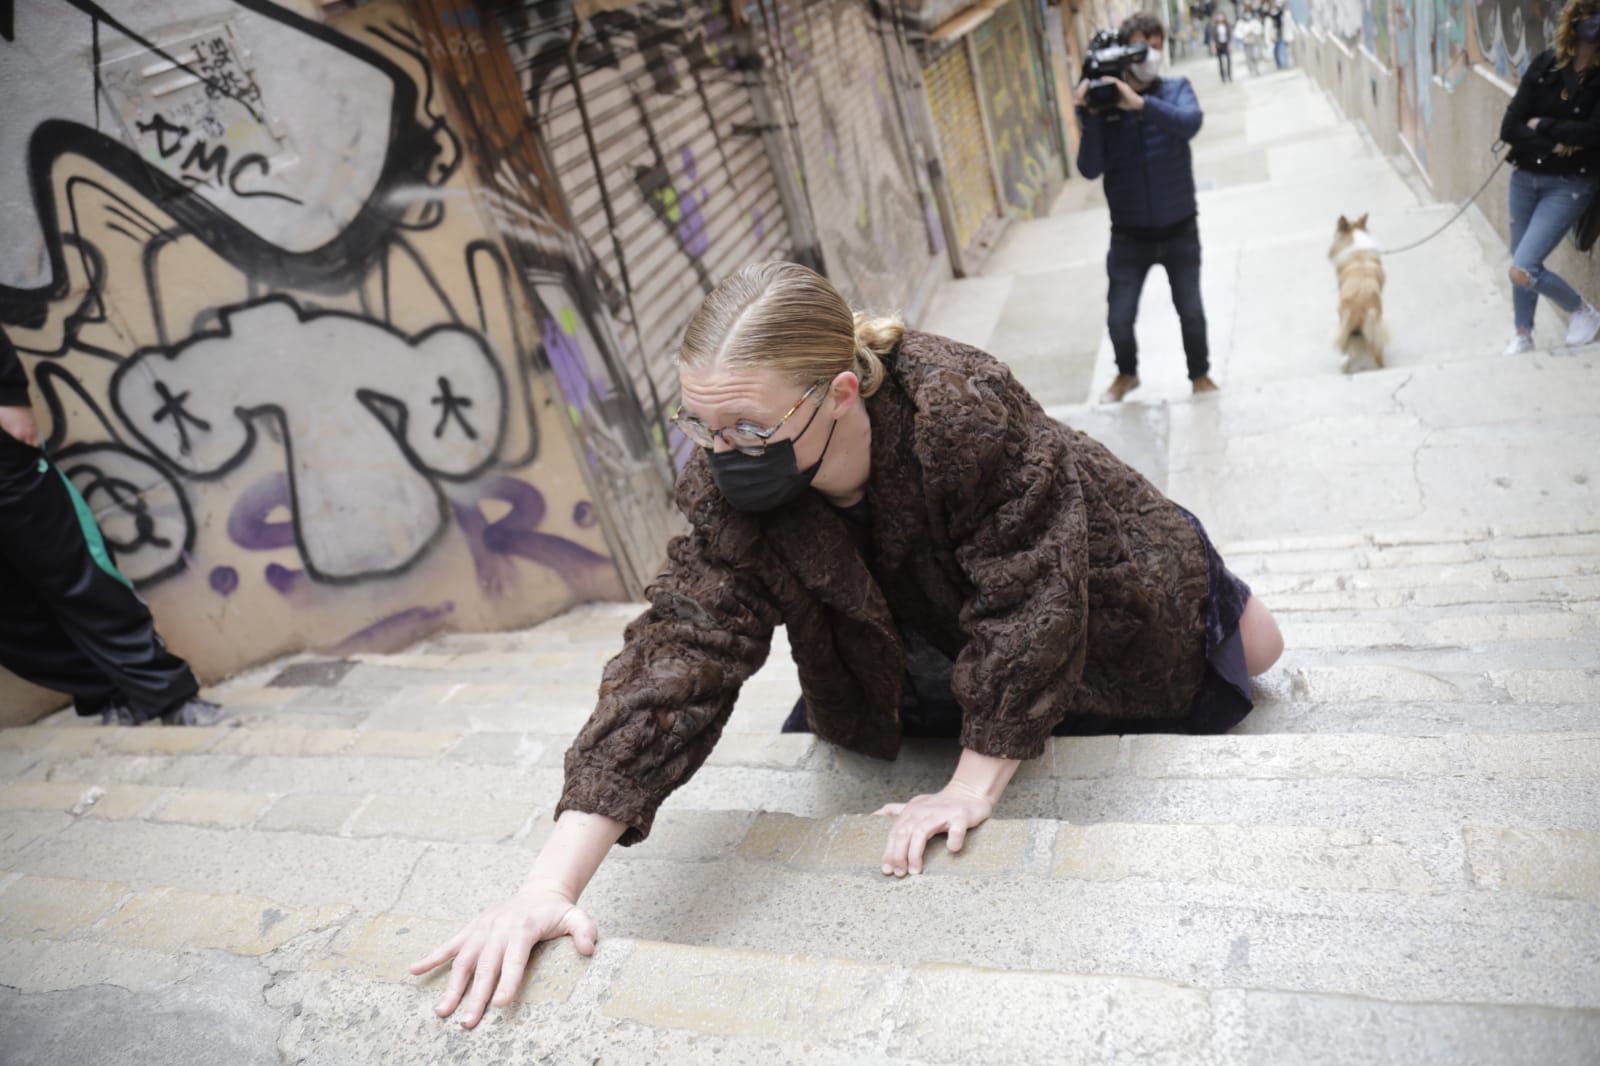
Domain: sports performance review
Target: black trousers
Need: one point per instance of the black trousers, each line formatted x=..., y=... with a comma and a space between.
x=68, y=620
x=1127, y=263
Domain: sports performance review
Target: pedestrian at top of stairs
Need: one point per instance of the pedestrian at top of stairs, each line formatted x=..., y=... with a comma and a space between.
x=1553, y=127
x=69, y=620
x=1142, y=149
x=947, y=560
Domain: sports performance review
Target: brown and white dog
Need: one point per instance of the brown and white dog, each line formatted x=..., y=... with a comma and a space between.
x=1362, y=333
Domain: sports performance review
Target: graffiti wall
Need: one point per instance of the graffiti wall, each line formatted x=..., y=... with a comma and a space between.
x=275, y=335
x=1509, y=33
x=877, y=235
x=1433, y=44
x=1012, y=76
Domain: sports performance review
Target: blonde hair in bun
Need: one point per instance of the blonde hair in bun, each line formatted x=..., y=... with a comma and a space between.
x=788, y=318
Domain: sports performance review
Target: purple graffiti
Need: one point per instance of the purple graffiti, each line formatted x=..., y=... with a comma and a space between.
x=396, y=631
x=515, y=535
x=248, y=523
x=224, y=580
x=584, y=515
x=758, y=224
x=283, y=579
x=691, y=223
x=566, y=359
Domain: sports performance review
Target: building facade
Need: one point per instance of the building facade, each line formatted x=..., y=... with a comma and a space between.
x=357, y=321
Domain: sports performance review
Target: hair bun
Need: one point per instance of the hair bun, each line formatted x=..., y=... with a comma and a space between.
x=876, y=337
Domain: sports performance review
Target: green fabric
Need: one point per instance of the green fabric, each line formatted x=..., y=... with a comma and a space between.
x=91, y=531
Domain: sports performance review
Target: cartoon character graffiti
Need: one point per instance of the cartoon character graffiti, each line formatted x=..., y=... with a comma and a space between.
x=210, y=247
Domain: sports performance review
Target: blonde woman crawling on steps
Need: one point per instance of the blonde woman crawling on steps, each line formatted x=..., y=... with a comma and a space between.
x=948, y=561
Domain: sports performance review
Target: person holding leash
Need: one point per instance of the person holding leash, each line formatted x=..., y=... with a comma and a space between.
x=1553, y=128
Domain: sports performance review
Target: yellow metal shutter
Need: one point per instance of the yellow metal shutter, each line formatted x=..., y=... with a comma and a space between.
x=1012, y=75
x=962, y=145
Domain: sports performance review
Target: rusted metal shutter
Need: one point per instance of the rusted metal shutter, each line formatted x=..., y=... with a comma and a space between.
x=853, y=148
x=963, y=148
x=1011, y=76
x=647, y=117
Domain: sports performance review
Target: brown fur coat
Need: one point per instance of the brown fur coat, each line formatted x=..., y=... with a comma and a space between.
x=1058, y=579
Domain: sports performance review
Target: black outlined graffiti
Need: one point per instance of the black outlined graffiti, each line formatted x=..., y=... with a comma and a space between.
x=142, y=511
x=409, y=155
x=356, y=438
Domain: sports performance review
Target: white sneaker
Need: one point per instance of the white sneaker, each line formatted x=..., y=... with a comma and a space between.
x=1520, y=342
x=1583, y=325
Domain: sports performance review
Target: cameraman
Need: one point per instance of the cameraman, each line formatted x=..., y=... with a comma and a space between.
x=1142, y=148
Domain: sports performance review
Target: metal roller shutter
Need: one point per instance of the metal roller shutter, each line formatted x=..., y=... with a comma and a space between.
x=658, y=151
x=962, y=145
x=1011, y=75
x=853, y=150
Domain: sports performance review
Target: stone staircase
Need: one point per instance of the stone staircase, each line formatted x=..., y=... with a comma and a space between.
x=1395, y=859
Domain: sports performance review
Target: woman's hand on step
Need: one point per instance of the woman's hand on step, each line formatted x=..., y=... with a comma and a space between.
x=952, y=811
x=491, y=952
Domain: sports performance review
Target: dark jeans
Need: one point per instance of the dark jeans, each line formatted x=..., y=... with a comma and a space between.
x=1225, y=61
x=68, y=620
x=1129, y=260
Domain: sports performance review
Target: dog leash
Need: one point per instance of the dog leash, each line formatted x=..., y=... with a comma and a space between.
x=1497, y=148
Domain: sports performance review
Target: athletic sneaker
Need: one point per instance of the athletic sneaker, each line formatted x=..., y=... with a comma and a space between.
x=117, y=714
x=194, y=712
x=1583, y=325
x=1520, y=342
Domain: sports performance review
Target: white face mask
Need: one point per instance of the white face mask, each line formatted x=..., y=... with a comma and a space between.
x=1147, y=68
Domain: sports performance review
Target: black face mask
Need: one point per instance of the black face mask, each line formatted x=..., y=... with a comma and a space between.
x=769, y=480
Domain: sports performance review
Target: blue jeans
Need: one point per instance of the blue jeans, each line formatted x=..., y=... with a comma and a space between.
x=1543, y=208
x=1127, y=263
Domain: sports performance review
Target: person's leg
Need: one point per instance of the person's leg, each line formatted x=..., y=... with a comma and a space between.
x=1181, y=257
x=34, y=648
x=52, y=542
x=1127, y=263
x=1263, y=643
x=1520, y=199
x=1555, y=208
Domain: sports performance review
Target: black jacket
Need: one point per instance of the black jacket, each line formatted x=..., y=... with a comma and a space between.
x=1567, y=113
x=13, y=380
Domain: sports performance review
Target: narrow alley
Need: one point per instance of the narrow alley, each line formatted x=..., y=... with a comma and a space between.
x=1396, y=858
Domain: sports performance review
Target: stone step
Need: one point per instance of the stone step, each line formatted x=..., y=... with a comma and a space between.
x=1465, y=946
x=1449, y=627
x=1480, y=574
x=1359, y=780
x=1416, y=717
x=1369, y=555
x=1529, y=537
x=1389, y=604
x=1279, y=906
x=343, y=981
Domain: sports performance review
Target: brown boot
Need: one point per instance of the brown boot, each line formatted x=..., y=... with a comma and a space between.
x=1124, y=384
x=1203, y=383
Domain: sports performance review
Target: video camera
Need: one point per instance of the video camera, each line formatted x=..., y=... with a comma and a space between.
x=1109, y=57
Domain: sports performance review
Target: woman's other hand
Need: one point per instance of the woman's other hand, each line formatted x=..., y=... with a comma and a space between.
x=952, y=810
x=491, y=951
x=18, y=423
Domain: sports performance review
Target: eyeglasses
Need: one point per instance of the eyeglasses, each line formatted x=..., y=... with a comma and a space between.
x=743, y=435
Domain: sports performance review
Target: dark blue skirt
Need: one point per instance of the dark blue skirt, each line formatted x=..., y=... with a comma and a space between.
x=1222, y=702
